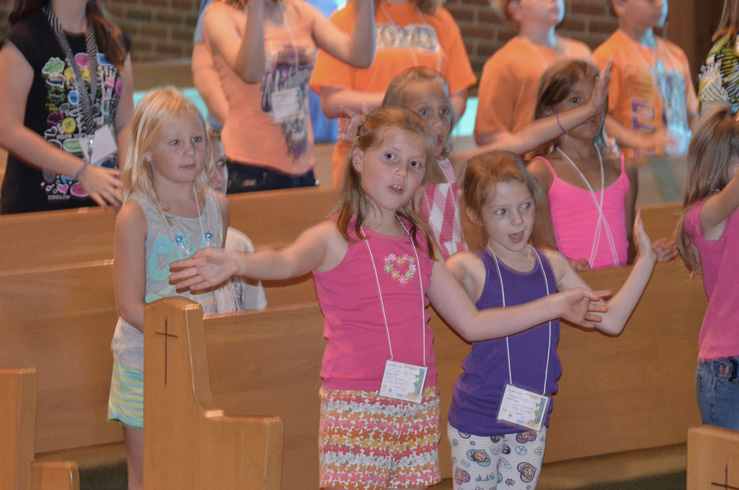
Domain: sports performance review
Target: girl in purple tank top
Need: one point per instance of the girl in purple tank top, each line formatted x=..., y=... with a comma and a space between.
x=425, y=92
x=376, y=269
x=501, y=402
x=589, y=208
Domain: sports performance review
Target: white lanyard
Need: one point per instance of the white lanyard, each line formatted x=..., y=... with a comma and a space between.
x=382, y=303
x=502, y=293
x=412, y=50
x=602, y=220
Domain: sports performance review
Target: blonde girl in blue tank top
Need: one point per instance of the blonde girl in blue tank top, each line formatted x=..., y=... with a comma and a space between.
x=168, y=214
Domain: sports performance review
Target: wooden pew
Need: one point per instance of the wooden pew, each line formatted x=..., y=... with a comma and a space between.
x=192, y=444
x=613, y=395
x=60, y=322
x=18, y=470
x=57, y=238
x=713, y=458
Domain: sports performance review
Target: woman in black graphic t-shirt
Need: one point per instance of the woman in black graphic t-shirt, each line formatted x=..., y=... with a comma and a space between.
x=51, y=109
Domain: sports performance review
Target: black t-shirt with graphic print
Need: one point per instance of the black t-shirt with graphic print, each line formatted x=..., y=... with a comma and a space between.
x=54, y=112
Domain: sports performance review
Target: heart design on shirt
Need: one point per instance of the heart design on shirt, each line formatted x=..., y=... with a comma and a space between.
x=402, y=268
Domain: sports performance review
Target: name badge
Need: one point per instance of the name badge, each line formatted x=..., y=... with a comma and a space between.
x=285, y=104
x=403, y=381
x=103, y=145
x=523, y=408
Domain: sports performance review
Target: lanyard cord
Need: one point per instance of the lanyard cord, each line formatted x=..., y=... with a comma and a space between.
x=382, y=303
x=602, y=220
x=502, y=293
x=87, y=99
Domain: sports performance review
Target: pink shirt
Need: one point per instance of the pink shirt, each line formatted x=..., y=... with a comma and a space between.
x=357, y=339
x=439, y=208
x=719, y=335
x=575, y=220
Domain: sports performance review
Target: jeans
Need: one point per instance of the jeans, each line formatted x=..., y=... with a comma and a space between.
x=717, y=387
x=249, y=178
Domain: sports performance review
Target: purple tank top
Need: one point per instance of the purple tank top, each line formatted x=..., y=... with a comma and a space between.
x=478, y=390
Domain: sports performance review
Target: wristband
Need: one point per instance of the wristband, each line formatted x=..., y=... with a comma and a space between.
x=564, y=131
x=81, y=171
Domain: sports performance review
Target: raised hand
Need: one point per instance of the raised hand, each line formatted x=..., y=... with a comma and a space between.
x=600, y=90
x=642, y=241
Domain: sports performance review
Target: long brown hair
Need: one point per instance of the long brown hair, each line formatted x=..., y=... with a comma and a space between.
x=555, y=85
x=713, y=147
x=729, y=24
x=108, y=35
x=353, y=201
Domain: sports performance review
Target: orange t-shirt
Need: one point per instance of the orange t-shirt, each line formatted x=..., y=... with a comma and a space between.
x=268, y=123
x=510, y=81
x=404, y=37
x=650, y=87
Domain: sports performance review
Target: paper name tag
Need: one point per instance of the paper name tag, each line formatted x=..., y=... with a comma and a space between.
x=103, y=145
x=285, y=104
x=403, y=381
x=523, y=408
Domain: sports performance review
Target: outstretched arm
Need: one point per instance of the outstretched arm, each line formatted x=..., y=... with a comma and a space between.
x=545, y=129
x=451, y=301
x=320, y=247
x=623, y=303
x=206, y=80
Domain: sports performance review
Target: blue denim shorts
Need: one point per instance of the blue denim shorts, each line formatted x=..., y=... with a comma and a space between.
x=717, y=387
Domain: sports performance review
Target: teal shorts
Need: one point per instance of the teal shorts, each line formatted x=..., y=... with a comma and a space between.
x=126, y=400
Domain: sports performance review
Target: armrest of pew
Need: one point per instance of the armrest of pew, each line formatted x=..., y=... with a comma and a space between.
x=713, y=458
x=188, y=441
x=18, y=470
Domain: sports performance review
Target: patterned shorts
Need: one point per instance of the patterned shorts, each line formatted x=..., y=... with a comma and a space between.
x=370, y=442
x=126, y=400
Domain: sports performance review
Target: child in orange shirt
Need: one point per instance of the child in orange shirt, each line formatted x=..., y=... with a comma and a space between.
x=507, y=92
x=652, y=103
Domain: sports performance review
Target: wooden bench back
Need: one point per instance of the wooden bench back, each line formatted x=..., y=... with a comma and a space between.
x=268, y=362
x=61, y=321
x=58, y=238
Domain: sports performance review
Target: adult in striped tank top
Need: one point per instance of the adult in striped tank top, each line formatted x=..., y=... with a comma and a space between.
x=426, y=92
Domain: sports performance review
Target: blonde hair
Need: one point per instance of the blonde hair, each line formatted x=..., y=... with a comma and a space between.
x=713, y=148
x=555, y=85
x=158, y=109
x=397, y=93
x=485, y=171
x=729, y=24
x=353, y=201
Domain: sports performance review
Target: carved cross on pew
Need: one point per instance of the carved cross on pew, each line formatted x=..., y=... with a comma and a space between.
x=725, y=485
x=166, y=336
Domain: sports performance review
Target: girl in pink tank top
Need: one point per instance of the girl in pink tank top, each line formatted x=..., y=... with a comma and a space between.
x=589, y=213
x=376, y=269
x=425, y=92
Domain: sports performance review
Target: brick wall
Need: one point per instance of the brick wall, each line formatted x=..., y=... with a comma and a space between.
x=484, y=31
x=162, y=29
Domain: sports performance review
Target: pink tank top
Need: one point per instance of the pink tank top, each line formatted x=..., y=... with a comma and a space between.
x=440, y=209
x=575, y=218
x=357, y=341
